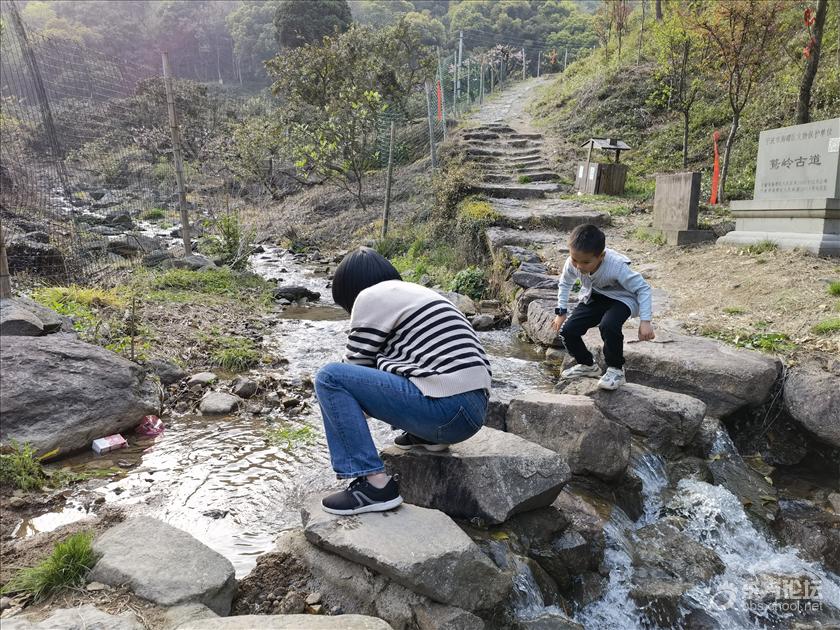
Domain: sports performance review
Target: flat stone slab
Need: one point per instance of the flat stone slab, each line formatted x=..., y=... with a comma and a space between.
x=530, y=279
x=723, y=377
x=289, y=622
x=515, y=191
x=421, y=549
x=574, y=427
x=498, y=237
x=558, y=214
x=164, y=565
x=664, y=419
x=491, y=476
x=86, y=617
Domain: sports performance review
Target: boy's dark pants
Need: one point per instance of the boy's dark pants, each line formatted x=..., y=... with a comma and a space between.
x=609, y=316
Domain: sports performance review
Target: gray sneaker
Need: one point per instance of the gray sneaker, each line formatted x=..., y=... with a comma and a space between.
x=612, y=379
x=580, y=370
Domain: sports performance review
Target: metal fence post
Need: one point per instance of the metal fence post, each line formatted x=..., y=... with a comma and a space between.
x=431, y=124
x=387, y=208
x=523, y=64
x=176, y=151
x=481, y=85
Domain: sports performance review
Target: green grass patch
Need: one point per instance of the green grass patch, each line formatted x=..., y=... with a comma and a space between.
x=289, y=437
x=524, y=179
x=827, y=326
x=619, y=211
x=734, y=310
x=80, y=303
x=234, y=354
x=222, y=281
x=761, y=247
x=66, y=567
x=772, y=342
x=155, y=214
x=834, y=288
x=649, y=235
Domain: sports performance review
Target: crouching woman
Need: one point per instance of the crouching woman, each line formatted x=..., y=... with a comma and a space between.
x=413, y=361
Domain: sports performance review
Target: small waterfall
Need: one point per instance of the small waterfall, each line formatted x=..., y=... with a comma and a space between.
x=650, y=468
x=527, y=598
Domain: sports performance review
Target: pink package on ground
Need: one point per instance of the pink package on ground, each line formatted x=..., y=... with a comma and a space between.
x=151, y=426
x=109, y=443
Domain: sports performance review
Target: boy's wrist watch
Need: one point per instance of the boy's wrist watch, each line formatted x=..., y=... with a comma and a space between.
x=561, y=311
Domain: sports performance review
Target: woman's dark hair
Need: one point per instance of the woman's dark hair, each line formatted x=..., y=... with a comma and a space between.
x=587, y=238
x=359, y=270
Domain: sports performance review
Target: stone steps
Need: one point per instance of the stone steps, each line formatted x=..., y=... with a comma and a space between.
x=538, y=176
x=515, y=191
x=556, y=214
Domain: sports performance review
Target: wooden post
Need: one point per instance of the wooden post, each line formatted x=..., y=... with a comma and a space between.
x=539, y=61
x=565, y=58
x=523, y=64
x=481, y=85
x=176, y=152
x=442, y=97
x=387, y=208
x=469, y=71
x=5, y=278
x=431, y=124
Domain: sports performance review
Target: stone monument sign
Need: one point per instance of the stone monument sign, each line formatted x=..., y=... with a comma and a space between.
x=675, y=208
x=796, y=199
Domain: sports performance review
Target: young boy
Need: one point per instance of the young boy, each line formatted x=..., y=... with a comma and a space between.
x=610, y=293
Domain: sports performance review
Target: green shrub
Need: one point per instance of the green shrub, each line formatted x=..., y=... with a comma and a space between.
x=470, y=281
x=827, y=326
x=524, y=179
x=20, y=468
x=231, y=243
x=834, y=288
x=212, y=281
x=66, y=567
x=449, y=186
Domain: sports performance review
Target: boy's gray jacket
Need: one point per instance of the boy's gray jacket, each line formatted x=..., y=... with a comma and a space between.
x=614, y=278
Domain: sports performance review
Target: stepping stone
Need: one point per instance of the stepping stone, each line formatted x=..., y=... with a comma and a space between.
x=164, y=565
x=540, y=314
x=724, y=378
x=529, y=279
x=354, y=587
x=524, y=299
x=574, y=427
x=289, y=622
x=421, y=549
x=491, y=476
x=219, y=404
x=86, y=617
x=666, y=420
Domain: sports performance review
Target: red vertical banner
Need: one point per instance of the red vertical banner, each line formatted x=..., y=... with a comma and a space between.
x=715, y=171
x=440, y=101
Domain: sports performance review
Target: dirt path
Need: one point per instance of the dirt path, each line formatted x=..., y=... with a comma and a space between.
x=509, y=105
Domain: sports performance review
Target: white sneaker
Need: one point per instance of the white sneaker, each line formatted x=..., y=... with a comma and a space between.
x=579, y=370
x=613, y=378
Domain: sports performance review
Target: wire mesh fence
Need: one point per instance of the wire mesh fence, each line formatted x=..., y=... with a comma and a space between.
x=87, y=177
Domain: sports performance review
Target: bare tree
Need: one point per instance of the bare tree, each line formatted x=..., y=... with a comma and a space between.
x=812, y=53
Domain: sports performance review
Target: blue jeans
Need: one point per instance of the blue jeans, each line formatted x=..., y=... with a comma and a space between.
x=347, y=392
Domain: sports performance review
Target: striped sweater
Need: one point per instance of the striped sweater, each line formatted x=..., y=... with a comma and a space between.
x=409, y=330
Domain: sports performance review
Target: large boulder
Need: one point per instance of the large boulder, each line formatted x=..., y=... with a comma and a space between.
x=528, y=279
x=294, y=293
x=815, y=531
x=86, y=617
x=574, y=427
x=422, y=549
x=463, y=303
x=51, y=321
x=40, y=259
x=167, y=372
x=18, y=321
x=524, y=299
x=724, y=378
x=133, y=245
x=289, y=622
x=164, y=565
x=666, y=420
x=62, y=393
x=491, y=476
x=538, y=325
x=193, y=262
x=219, y=404
x=350, y=587
x=812, y=396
